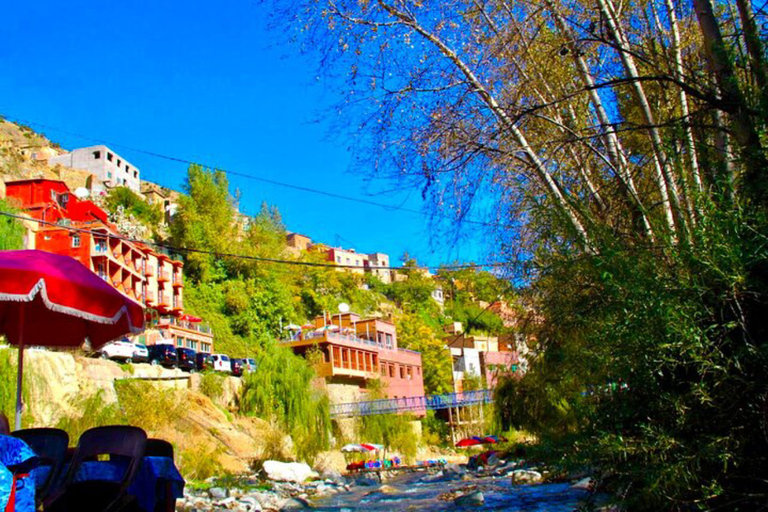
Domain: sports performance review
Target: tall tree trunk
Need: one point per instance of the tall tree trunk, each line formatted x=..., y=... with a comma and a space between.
x=755, y=181
x=612, y=144
x=679, y=72
x=664, y=176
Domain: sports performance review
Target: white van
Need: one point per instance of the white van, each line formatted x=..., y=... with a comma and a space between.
x=221, y=363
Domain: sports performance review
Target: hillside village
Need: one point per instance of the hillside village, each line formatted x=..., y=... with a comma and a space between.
x=366, y=328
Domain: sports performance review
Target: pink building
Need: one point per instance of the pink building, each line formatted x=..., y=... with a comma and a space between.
x=356, y=350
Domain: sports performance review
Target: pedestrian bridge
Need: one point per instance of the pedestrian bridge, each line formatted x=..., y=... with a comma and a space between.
x=412, y=404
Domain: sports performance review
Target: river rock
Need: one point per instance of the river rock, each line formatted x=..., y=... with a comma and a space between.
x=365, y=482
x=387, y=489
x=288, y=471
x=217, y=493
x=473, y=499
x=434, y=478
x=586, y=484
x=294, y=503
x=525, y=476
x=251, y=502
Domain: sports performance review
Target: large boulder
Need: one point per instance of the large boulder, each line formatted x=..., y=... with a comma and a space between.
x=525, y=476
x=473, y=499
x=288, y=471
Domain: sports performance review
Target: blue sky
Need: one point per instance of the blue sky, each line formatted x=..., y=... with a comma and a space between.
x=203, y=81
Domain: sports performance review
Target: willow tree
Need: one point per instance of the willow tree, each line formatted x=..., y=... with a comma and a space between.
x=621, y=148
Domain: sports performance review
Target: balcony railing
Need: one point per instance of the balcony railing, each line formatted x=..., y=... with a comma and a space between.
x=178, y=303
x=334, y=336
x=151, y=298
x=164, y=301
x=192, y=326
x=149, y=270
x=178, y=280
x=162, y=275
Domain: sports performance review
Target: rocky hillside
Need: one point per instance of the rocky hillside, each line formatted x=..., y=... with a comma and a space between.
x=23, y=154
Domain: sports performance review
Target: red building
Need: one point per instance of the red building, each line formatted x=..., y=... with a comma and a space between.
x=143, y=274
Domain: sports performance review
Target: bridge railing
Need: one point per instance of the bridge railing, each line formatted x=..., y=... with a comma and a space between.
x=412, y=404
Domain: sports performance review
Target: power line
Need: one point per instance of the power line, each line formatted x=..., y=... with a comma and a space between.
x=255, y=178
x=189, y=250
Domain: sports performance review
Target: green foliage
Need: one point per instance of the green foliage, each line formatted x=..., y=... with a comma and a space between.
x=414, y=334
x=211, y=384
x=282, y=392
x=150, y=215
x=656, y=367
x=474, y=319
x=11, y=230
x=394, y=431
x=91, y=411
x=142, y=404
x=199, y=462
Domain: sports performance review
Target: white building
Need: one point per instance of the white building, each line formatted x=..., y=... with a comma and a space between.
x=107, y=166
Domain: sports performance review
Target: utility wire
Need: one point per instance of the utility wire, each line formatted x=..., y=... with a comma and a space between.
x=189, y=250
x=252, y=177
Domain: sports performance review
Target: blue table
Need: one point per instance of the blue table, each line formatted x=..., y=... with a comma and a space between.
x=17, y=458
x=153, y=470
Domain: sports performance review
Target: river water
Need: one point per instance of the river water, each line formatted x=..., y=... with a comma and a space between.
x=410, y=493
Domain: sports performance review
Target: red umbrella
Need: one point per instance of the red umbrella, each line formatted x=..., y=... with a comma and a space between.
x=469, y=441
x=55, y=301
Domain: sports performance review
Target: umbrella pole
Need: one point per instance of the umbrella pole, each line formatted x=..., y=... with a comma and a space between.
x=20, y=368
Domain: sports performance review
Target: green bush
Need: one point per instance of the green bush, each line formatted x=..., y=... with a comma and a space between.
x=211, y=384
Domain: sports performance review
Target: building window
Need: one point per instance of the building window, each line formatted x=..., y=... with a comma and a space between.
x=96, y=155
x=179, y=341
x=392, y=371
x=383, y=370
x=338, y=259
x=109, y=175
x=402, y=372
x=75, y=240
x=53, y=195
x=109, y=156
x=135, y=174
x=119, y=162
x=389, y=341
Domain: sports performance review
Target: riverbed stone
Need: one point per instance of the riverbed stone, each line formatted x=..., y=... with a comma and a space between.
x=217, y=493
x=586, y=484
x=473, y=499
x=525, y=476
x=294, y=503
x=288, y=471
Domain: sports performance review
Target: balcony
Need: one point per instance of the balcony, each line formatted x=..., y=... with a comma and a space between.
x=149, y=270
x=178, y=281
x=178, y=304
x=151, y=298
x=99, y=250
x=164, y=300
x=162, y=276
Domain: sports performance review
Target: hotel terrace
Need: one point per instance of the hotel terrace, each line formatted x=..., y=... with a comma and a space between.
x=356, y=350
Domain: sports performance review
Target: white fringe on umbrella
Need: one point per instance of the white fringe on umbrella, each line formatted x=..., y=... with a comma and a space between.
x=42, y=290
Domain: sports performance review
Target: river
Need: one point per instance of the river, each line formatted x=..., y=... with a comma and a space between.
x=408, y=492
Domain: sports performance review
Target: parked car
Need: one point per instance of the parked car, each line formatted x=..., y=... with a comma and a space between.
x=187, y=359
x=203, y=361
x=140, y=353
x=118, y=351
x=250, y=364
x=164, y=355
x=221, y=363
x=237, y=367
